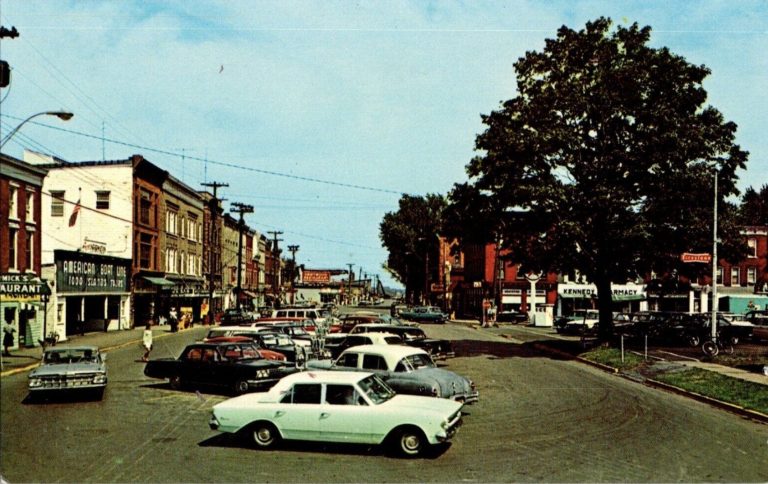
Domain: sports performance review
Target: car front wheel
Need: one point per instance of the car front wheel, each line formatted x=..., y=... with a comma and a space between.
x=240, y=387
x=409, y=441
x=264, y=435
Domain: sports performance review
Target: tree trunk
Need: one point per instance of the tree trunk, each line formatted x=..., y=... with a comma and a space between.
x=605, y=308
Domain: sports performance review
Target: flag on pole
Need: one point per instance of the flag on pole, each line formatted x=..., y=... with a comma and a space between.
x=73, y=217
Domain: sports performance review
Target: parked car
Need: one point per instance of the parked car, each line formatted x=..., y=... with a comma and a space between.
x=350, y=340
x=424, y=314
x=335, y=406
x=408, y=370
x=265, y=353
x=318, y=315
x=696, y=328
x=64, y=368
x=583, y=321
x=508, y=314
x=233, y=317
x=759, y=319
x=237, y=366
x=412, y=336
x=265, y=337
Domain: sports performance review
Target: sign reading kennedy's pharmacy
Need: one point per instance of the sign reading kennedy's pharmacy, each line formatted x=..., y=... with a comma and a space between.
x=589, y=290
x=83, y=272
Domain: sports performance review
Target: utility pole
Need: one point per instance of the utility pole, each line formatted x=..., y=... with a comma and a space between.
x=293, y=249
x=276, y=251
x=214, y=245
x=241, y=209
x=349, y=283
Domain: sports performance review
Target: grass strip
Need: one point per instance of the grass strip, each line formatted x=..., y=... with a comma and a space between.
x=714, y=385
x=745, y=394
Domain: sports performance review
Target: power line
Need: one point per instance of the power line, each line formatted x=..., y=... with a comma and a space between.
x=220, y=163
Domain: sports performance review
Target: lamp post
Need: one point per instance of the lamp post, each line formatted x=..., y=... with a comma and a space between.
x=45, y=296
x=63, y=115
x=714, y=267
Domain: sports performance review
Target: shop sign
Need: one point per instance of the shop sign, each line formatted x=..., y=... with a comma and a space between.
x=20, y=287
x=181, y=289
x=91, y=273
x=590, y=290
x=313, y=276
x=689, y=257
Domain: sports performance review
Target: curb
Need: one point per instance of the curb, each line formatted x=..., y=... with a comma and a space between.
x=105, y=349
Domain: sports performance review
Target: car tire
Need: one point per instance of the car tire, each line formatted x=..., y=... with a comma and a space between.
x=694, y=341
x=409, y=441
x=176, y=382
x=241, y=387
x=263, y=435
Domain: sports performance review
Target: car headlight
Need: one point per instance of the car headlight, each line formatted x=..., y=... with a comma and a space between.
x=100, y=379
x=35, y=382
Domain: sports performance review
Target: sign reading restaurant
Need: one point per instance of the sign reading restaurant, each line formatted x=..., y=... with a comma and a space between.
x=590, y=290
x=83, y=272
x=25, y=286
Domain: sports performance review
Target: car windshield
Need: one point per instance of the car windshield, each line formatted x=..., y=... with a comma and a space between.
x=414, y=362
x=242, y=352
x=70, y=356
x=378, y=391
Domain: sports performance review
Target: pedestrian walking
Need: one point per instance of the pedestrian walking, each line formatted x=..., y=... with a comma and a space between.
x=147, y=341
x=173, y=319
x=8, y=331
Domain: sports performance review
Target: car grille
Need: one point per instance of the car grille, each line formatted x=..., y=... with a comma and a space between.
x=67, y=381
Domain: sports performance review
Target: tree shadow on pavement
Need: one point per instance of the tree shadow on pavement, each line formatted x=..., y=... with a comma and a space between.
x=553, y=349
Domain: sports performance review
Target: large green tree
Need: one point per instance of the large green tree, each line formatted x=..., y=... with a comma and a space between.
x=604, y=162
x=410, y=236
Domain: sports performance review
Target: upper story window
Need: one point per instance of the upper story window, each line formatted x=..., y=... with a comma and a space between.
x=751, y=275
x=57, y=203
x=735, y=276
x=719, y=275
x=30, y=206
x=13, y=202
x=752, y=248
x=13, y=236
x=102, y=200
x=145, y=207
x=172, y=220
x=29, y=252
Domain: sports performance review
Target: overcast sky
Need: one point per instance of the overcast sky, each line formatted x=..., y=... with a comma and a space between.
x=320, y=114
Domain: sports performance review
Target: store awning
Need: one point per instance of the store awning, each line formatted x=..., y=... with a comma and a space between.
x=159, y=281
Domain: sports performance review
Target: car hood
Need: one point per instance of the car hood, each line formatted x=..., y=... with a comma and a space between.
x=66, y=368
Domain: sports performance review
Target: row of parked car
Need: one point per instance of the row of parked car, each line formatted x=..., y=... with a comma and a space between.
x=673, y=328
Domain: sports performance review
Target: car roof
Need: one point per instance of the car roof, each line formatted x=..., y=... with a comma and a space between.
x=324, y=376
x=73, y=347
x=396, y=351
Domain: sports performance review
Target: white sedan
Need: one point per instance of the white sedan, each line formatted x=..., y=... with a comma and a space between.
x=339, y=406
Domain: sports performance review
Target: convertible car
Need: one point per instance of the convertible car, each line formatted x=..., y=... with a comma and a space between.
x=335, y=406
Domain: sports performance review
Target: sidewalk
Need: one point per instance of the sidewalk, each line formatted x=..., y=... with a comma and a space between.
x=24, y=359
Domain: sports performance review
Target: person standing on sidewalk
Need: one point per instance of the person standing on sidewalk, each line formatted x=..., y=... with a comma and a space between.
x=147, y=341
x=8, y=331
x=173, y=320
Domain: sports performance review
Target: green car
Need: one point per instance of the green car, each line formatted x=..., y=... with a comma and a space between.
x=424, y=314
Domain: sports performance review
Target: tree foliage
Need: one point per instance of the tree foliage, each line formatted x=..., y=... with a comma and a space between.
x=603, y=162
x=410, y=234
x=754, y=207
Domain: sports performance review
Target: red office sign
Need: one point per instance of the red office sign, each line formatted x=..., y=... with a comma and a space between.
x=689, y=257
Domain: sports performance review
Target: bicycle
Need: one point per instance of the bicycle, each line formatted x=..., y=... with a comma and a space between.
x=713, y=348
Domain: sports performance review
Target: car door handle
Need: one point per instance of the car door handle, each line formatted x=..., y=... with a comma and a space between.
x=324, y=415
x=279, y=413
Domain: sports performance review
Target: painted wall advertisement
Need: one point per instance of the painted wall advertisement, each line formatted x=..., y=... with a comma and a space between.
x=82, y=272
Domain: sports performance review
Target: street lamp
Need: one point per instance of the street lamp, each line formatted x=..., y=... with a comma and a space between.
x=45, y=296
x=714, y=267
x=63, y=115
